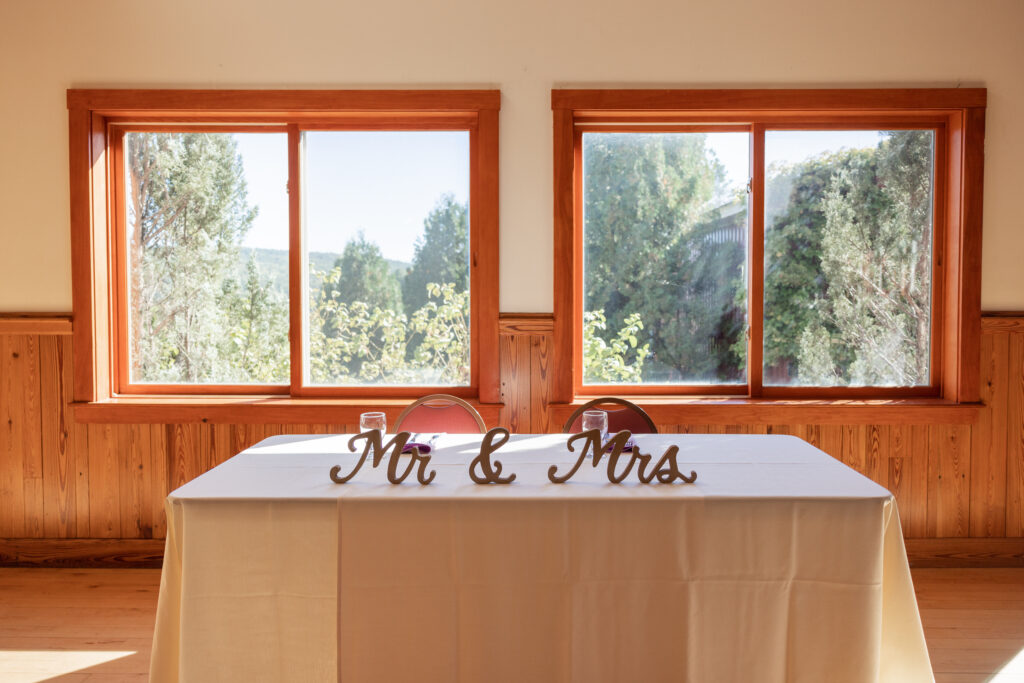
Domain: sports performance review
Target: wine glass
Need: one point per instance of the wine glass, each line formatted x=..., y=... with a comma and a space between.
x=378, y=421
x=595, y=419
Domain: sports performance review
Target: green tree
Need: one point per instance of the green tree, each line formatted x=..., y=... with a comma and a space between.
x=442, y=344
x=619, y=361
x=364, y=275
x=876, y=258
x=188, y=212
x=376, y=346
x=795, y=290
x=664, y=240
x=440, y=254
x=368, y=345
x=257, y=329
x=364, y=330
x=848, y=254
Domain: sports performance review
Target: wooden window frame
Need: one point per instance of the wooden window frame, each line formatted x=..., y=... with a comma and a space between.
x=957, y=116
x=97, y=122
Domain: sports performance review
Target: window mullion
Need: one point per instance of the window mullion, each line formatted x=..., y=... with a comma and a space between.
x=295, y=260
x=755, y=284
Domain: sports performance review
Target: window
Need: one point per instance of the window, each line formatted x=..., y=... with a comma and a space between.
x=768, y=244
x=295, y=243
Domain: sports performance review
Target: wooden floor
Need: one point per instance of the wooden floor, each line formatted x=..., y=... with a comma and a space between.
x=95, y=625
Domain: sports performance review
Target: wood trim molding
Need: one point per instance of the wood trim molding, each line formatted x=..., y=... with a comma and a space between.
x=725, y=410
x=113, y=101
x=99, y=308
x=565, y=271
x=485, y=259
x=526, y=323
x=762, y=99
x=82, y=552
x=963, y=264
x=1002, y=322
x=965, y=552
x=247, y=409
x=35, y=323
x=959, y=114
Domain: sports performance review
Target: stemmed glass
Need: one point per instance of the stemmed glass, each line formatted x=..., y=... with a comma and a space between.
x=595, y=419
x=378, y=421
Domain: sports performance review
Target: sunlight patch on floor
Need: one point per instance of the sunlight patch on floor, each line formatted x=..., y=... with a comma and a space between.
x=32, y=666
x=1012, y=672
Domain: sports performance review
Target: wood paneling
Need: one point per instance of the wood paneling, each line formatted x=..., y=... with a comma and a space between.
x=1014, y=436
x=67, y=487
x=56, y=439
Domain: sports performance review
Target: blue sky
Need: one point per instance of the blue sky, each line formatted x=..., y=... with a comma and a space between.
x=385, y=183
x=381, y=183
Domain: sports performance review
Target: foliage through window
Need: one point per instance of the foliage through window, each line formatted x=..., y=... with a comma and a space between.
x=388, y=270
x=848, y=257
x=664, y=243
x=847, y=286
x=202, y=306
x=389, y=213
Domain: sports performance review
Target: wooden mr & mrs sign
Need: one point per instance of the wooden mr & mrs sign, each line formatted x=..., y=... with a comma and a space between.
x=484, y=469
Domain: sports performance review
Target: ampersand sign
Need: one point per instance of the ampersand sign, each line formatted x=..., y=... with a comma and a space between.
x=490, y=471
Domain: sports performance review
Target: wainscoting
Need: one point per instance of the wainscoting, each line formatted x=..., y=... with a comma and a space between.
x=92, y=494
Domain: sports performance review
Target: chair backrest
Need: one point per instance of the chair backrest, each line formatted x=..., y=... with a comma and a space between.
x=440, y=413
x=622, y=414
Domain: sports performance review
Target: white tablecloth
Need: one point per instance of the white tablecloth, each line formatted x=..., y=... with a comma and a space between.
x=778, y=564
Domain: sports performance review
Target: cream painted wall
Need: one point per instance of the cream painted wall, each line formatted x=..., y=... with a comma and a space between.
x=523, y=47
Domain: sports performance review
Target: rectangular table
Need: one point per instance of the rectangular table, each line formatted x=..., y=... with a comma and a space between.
x=778, y=564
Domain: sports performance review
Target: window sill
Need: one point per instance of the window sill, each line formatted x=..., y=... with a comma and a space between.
x=247, y=410
x=730, y=410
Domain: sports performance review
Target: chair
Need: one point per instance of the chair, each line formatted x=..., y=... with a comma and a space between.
x=621, y=415
x=440, y=413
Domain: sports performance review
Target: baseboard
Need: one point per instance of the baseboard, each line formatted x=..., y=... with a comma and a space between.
x=965, y=552
x=82, y=552
x=140, y=553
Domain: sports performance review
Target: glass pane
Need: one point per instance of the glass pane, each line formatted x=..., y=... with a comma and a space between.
x=848, y=257
x=664, y=239
x=387, y=239
x=207, y=259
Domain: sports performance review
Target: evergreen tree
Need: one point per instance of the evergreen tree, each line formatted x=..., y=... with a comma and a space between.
x=664, y=240
x=876, y=258
x=795, y=290
x=848, y=266
x=256, y=342
x=188, y=213
x=440, y=255
x=365, y=276
x=357, y=328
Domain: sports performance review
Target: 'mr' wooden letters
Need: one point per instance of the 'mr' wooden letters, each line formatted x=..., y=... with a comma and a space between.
x=396, y=445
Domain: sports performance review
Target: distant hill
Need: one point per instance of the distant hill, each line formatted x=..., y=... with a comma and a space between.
x=273, y=264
